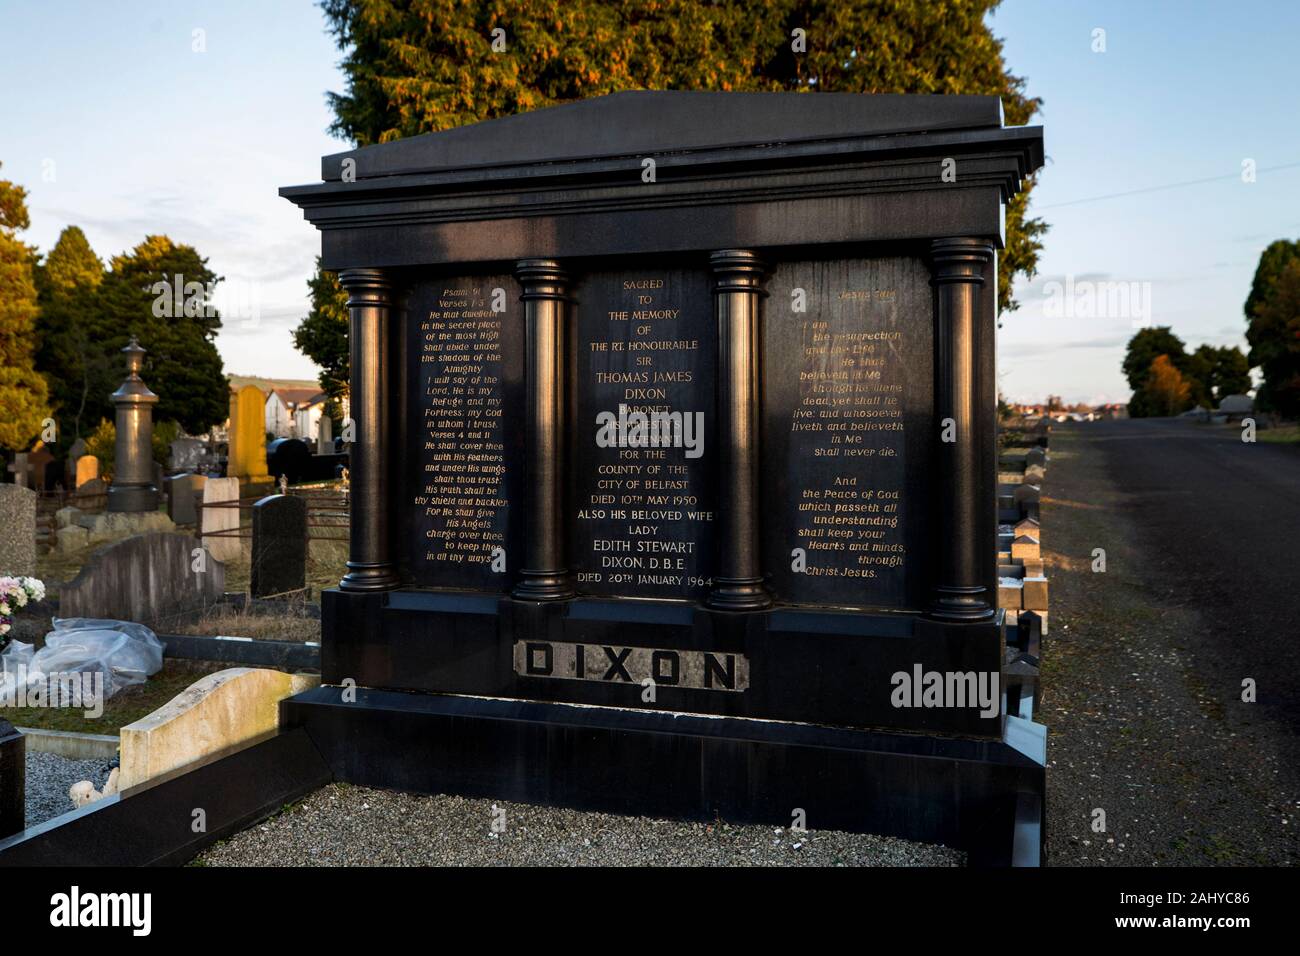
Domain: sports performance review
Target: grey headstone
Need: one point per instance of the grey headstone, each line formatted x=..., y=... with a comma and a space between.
x=324, y=436
x=181, y=492
x=17, y=530
x=144, y=578
x=279, y=562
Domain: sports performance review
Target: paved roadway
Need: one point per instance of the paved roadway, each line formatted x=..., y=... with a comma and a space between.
x=1218, y=522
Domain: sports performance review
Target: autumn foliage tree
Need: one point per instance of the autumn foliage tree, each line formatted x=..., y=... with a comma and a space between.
x=1167, y=391
x=23, y=394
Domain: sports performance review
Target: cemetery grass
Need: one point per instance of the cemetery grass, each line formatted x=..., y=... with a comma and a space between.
x=1285, y=435
x=326, y=564
x=125, y=707
x=1143, y=724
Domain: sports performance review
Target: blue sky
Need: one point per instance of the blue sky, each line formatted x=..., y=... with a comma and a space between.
x=114, y=122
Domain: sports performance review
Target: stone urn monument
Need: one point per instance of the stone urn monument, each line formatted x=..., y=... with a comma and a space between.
x=133, y=486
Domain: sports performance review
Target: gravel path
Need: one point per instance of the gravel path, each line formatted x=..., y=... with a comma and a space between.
x=48, y=778
x=341, y=825
x=1143, y=664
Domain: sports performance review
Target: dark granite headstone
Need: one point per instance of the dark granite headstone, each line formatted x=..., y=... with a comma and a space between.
x=279, y=562
x=290, y=457
x=13, y=777
x=182, y=491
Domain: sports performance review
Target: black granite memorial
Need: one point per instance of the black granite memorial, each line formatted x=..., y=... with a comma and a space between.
x=674, y=480
x=279, y=553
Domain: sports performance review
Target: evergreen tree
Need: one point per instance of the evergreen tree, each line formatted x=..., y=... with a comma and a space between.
x=419, y=66
x=1271, y=313
x=323, y=335
x=70, y=326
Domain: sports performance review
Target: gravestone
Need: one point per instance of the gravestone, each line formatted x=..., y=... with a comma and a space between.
x=87, y=469
x=289, y=458
x=216, y=518
x=91, y=496
x=144, y=578
x=689, y=442
x=247, y=460
x=279, y=556
x=74, y=453
x=21, y=469
x=181, y=493
x=324, y=435
x=39, y=470
x=17, y=530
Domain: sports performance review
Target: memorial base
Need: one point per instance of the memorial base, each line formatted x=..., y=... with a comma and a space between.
x=130, y=499
x=982, y=796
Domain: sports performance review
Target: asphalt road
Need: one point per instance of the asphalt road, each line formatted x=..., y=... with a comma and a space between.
x=1144, y=664
x=1219, y=521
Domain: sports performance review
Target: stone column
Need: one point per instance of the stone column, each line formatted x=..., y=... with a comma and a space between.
x=133, y=488
x=370, y=559
x=958, y=268
x=544, y=571
x=737, y=294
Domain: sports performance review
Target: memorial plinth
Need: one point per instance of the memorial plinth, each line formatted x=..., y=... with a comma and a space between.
x=133, y=487
x=674, y=404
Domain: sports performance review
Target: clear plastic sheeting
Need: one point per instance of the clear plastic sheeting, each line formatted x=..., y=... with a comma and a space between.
x=126, y=653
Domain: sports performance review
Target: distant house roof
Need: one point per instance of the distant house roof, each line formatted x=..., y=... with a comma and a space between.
x=1236, y=404
x=296, y=397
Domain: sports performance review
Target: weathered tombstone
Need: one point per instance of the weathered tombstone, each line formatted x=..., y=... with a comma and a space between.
x=181, y=492
x=221, y=514
x=144, y=578
x=91, y=496
x=39, y=461
x=324, y=435
x=17, y=530
x=87, y=469
x=20, y=469
x=279, y=555
x=248, y=439
x=704, y=425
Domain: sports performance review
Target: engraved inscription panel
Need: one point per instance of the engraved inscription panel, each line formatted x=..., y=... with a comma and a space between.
x=644, y=381
x=848, y=426
x=465, y=383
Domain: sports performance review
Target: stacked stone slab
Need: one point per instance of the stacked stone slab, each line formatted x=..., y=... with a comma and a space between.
x=1022, y=581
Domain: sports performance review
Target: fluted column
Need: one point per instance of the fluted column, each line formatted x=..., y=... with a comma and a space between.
x=958, y=269
x=544, y=572
x=737, y=293
x=370, y=558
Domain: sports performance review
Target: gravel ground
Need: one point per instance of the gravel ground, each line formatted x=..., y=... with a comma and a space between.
x=1141, y=681
x=342, y=825
x=48, y=778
